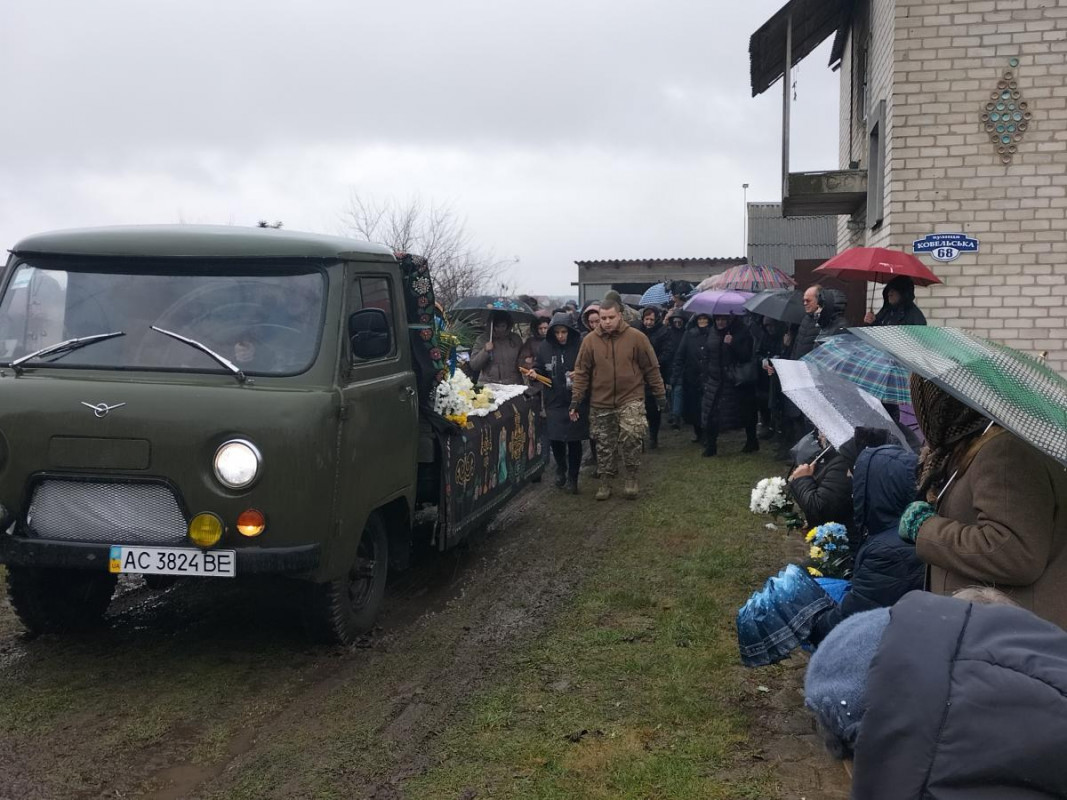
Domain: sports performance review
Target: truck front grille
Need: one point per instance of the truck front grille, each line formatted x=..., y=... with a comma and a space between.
x=110, y=513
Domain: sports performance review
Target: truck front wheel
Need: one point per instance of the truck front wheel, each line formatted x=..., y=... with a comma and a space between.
x=342, y=610
x=58, y=600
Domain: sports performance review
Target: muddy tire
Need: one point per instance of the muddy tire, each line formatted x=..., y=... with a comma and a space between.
x=59, y=600
x=342, y=610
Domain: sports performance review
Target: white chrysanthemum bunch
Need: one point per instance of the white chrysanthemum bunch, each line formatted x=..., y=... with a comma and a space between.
x=769, y=497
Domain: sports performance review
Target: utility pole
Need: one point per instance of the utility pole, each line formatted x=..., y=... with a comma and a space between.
x=744, y=223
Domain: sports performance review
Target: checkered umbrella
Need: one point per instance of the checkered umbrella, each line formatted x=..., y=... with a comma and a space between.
x=656, y=295
x=867, y=366
x=749, y=278
x=834, y=405
x=1016, y=391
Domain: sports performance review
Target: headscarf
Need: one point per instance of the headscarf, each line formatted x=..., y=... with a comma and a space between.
x=948, y=425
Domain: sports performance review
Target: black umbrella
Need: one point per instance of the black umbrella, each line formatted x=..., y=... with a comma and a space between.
x=784, y=305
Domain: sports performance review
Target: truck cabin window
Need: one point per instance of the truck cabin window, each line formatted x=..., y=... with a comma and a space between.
x=370, y=325
x=267, y=320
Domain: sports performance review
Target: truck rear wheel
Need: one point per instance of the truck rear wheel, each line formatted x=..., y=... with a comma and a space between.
x=59, y=600
x=342, y=610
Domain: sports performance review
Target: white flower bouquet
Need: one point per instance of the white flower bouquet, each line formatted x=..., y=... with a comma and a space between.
x=770, y=497
x=458, y=397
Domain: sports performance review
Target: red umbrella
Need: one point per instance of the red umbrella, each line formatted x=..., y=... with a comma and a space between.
x=877, y=264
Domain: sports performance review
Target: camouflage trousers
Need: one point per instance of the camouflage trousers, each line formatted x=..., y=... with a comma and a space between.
x=618, y=432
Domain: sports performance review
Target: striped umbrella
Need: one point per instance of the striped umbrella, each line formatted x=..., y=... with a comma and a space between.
x=1019, y=392
x=656, y=295
x=873, y=370
x=749, y=278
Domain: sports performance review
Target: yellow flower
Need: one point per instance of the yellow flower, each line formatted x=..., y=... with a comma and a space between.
x=816, y=553
x=814, y=572
x=810, y=535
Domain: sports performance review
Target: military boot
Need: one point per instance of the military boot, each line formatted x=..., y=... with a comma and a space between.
x=630, y=490
x=603, y=491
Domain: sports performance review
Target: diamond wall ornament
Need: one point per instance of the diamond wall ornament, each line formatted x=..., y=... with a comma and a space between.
x=1007, y=115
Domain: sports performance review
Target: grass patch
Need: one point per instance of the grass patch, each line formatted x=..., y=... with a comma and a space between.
x=634, y=692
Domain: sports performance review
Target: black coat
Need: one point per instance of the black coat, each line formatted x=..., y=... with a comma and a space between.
x=804, y=342
x=686, y=371
x=663, y=344
x=885, y=568
x=826, y=496
x=906, y=312
x=727, y=405
x=554, y=361
x=964, y=702
x=832, y=316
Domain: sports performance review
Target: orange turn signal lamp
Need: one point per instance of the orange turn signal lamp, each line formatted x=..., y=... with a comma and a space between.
x=251, y=522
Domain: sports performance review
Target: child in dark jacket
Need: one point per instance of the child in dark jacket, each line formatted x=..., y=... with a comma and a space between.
x=884, y=567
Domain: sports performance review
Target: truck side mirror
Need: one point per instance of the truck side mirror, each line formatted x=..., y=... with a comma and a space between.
x=369, y=334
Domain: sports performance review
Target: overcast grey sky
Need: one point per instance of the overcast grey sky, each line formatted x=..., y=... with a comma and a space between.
x=585, y=129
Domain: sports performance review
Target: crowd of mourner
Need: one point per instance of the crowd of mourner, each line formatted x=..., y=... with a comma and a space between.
x=936, y=599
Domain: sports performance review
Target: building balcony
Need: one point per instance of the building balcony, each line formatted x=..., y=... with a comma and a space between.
x=841, y=192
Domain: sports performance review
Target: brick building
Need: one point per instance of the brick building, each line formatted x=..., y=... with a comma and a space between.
x=953, y=119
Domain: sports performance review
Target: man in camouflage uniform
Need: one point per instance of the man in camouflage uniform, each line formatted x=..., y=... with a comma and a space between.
x=614, y=365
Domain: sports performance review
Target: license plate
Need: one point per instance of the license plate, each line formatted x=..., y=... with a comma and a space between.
x=173, y=561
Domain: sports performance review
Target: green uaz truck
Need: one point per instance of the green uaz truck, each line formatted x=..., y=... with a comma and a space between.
x=221, y=402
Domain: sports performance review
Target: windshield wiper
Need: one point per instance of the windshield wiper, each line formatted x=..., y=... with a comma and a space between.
x=62, y=348
x=203, y=348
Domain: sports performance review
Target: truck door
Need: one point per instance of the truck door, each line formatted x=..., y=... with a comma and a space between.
x=380, y=413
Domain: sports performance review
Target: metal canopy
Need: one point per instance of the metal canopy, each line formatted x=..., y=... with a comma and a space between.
x=813, y=21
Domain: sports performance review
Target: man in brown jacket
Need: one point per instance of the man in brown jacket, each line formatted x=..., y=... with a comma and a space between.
x=614, y=364
x=1002, y=521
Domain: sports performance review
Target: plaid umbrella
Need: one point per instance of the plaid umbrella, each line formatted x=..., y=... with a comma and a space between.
x=749, y=278
x=865, y=365
x=1016, y=391
x=714, y=302
x=656, y=295
x=834, y=405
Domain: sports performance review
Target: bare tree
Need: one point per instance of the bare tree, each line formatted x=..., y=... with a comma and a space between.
x=434, y=231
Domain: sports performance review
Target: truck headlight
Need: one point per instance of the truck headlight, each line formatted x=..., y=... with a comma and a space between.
x=237, y=464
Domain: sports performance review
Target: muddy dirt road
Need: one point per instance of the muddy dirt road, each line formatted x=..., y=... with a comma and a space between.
x=204, y=691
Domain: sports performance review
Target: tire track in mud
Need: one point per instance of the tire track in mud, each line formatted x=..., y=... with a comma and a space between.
x=465, y=609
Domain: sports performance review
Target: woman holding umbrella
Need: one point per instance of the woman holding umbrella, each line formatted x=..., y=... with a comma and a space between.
x=992, y=510
x=496, y=352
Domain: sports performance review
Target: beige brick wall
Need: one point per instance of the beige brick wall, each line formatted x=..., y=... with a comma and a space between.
x=945, y=176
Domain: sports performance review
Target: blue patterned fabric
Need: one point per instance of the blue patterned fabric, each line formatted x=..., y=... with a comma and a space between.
x=777, y=619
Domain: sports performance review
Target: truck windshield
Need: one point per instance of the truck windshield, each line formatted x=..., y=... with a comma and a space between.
x=266, y=320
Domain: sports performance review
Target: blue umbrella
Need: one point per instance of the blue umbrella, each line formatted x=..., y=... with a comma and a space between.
x=656, y=295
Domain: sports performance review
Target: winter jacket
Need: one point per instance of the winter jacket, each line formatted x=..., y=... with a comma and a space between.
x=832, y=303
x=584, y=328
x=885, y=568
x=826, y=496
x=689, y=357
x=725, y=404
x=612, y=369
x=964, y=702
x=804, y=341
x=663, y=343
x=554, y=361
x=502, y=364
x=904, y=313
x=1003, y=523
x=676, y=334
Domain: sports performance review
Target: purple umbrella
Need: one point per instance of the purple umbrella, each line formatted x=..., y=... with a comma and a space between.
x=717, y=301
